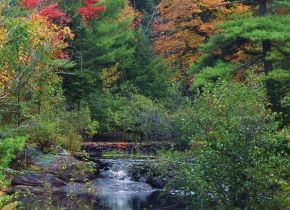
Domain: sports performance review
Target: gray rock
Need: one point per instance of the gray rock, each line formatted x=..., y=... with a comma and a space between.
x=143, y=179
x=62, y=165
x=24, y=189
x=37, y=180
x=156, y=183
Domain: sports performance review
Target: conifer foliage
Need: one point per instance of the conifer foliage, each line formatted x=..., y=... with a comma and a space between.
x=259, y=41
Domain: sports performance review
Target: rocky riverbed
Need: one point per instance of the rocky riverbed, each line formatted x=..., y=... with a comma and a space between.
x=60, y=181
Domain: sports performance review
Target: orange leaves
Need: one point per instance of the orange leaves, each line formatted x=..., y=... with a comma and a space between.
x=138, y=17
x=181, y=26
x=38, y=29
x=43, y=33
x=5, y=76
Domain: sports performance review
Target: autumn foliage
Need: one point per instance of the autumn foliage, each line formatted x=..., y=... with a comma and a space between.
x=51, y=10
x=181, y=26
x=89, y=11
x=42, y=39
x=29, y=4
x=53, y=13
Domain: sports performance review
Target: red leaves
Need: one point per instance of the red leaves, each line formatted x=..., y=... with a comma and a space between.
x=53, y=13
x=89, y=11
x=90, y=2
x=29, y=4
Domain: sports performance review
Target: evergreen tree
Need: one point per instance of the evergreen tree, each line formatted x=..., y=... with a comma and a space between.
x=149, y=73
x=103, y=46
x=109, y=41
x=259, y=40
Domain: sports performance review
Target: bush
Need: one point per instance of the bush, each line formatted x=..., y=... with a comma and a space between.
x=130, y=114
x=148, y=118
x=63, y=128
x=8, y=149
x=240, y=165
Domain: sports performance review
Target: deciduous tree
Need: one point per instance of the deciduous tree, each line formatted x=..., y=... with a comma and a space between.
x=181, y=26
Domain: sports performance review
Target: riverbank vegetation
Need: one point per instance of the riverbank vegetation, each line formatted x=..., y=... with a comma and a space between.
x=210, y=77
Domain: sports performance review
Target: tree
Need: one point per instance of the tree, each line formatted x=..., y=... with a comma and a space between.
x=30, y=83
x=259, y=41
x=149, y=72
x=240, y=163
x=182, y=26
x=104, y=48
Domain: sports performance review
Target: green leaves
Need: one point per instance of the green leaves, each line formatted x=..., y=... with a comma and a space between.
x=272, y=27
x=207, y=75
x=278, y=75
x=8, y=149
x=239, y=150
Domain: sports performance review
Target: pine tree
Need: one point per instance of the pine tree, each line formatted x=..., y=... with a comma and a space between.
x=258, y=40
x=104, y=46
x=109, y=41
x=149, y=73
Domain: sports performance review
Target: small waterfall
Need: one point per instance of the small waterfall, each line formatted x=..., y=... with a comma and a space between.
x=118, y=190
x=113, y=190
x=116, y=169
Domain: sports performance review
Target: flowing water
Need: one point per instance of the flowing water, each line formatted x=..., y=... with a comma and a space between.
x=113, y=190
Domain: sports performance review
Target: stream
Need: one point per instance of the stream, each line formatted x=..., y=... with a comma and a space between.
x=113, y=189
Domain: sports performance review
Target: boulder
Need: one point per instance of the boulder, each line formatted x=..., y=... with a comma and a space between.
x=37, y=180
x=62, y=165
x=156, y=182
x=143, y=179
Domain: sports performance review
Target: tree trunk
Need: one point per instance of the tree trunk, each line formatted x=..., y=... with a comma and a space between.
x=266, y=44
x=268, y=65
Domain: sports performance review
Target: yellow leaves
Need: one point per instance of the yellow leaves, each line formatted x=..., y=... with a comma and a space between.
x=68, y=33
x=110, y=76
x=23, y=58
x=43, y=33
x=2, y=36
x=125, y=13
x=3, y=4
x=6, y=76
x=39, y=32
x=193, y=40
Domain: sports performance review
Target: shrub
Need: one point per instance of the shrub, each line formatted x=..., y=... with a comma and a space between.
x=8, y=149
x=64, y=128
x=149, y=118
x=240, y=165
x=131, y=114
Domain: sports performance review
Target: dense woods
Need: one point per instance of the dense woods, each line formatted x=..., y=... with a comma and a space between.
x=211, y=78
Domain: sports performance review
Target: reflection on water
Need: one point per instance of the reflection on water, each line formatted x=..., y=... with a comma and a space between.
x=114, y=190
x=153, y=201
x=122, y=194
